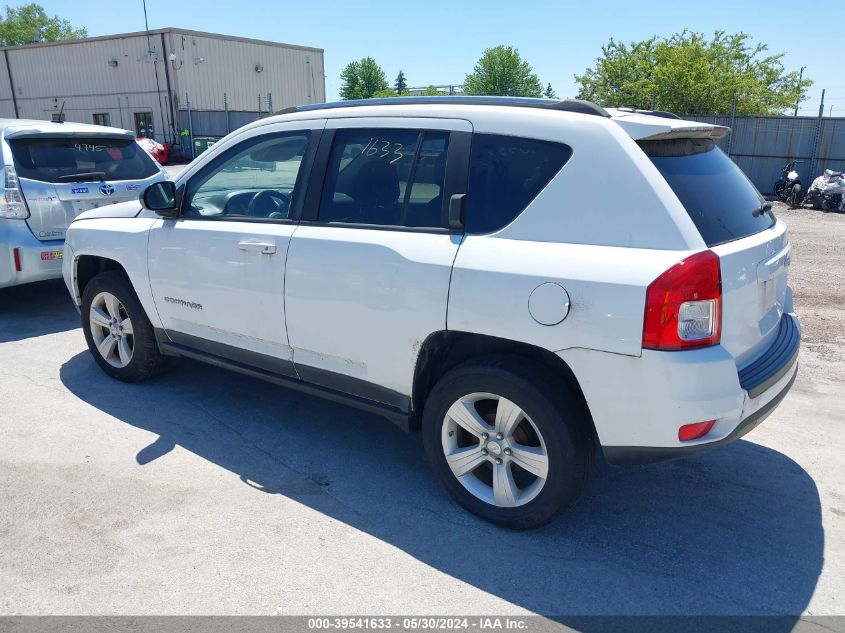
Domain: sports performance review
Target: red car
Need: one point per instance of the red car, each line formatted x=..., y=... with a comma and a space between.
x=154, y=148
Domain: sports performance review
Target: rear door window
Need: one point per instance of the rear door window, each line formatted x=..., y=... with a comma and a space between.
x=718, y=197
x=505, y=174
x=62, y=159
x=391, y=177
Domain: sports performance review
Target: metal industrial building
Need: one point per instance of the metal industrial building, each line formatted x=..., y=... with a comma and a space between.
x=159, y=82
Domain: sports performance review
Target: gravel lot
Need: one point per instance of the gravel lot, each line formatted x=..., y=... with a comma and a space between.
x=206, y=492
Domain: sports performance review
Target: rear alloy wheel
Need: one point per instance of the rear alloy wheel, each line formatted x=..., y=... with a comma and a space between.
x=509, y=442
x=498, y=456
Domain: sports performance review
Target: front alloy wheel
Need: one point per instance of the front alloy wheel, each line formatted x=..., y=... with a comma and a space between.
x=494, y=450
x=111, y=329
x=117, y=330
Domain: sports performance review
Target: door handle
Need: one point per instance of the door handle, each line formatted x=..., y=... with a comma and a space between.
x=266, y=248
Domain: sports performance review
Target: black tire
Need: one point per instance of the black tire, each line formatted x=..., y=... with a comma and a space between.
x=146, y=359
x=795, y=196
x=779, y=189
x=559, y=417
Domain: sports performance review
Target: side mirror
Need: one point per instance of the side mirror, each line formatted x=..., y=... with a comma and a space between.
x=161, y=198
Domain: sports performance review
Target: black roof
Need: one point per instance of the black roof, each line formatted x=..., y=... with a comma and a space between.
x=565, y=105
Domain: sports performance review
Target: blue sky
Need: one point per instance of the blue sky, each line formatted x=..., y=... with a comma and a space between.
x=439, y=41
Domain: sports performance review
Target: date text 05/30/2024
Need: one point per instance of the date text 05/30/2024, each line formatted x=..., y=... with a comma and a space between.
x=424, y=623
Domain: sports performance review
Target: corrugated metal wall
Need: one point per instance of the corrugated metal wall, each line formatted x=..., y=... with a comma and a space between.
x=117, y=76
x=208, y=67
x=761, y=146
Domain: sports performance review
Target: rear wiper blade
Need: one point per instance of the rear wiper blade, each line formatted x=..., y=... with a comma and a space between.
x=88, y=176
x=766, y=207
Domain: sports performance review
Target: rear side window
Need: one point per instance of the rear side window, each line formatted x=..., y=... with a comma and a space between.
x=386, y=177
x=61, y=159
x=718, y=197
x=505, y=174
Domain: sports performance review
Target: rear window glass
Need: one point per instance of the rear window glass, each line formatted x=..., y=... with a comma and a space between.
x=718, y=197
x=505, y=174
x=60, y=159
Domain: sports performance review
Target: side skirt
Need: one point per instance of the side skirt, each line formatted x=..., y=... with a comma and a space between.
x=399, y=416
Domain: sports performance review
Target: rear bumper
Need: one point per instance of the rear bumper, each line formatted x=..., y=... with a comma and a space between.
x=633, y=455
x=638, y=404
x=39, y=260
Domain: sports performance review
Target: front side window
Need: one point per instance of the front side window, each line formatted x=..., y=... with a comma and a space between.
x=255, y=180
x=66, y=159
x=505, y=175
x=386, y=177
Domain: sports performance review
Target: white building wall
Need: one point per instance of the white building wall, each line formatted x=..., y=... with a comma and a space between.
x=117, y=75
x=102, y=75
x=207, y=67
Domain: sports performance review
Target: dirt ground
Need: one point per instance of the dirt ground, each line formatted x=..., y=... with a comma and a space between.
x=817, y=277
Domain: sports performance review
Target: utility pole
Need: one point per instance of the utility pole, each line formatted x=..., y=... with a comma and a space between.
x=817, y=136
x=798, y=99
x=732, y=125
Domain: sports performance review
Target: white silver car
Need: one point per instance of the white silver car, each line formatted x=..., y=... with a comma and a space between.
x=527, y=281
x=51, y=173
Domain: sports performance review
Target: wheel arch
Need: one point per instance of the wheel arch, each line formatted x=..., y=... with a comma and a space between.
x=446, y=349
x=86, y=267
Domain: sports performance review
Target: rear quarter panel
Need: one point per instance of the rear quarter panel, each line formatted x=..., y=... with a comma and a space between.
x=493, y=279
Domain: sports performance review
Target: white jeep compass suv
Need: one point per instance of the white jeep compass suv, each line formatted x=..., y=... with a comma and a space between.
x=526, y=280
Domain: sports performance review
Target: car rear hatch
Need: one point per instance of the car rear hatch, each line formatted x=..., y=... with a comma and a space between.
x=63, y=174
x=753, y=247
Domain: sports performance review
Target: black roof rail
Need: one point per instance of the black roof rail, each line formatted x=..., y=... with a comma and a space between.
x=565, y=105
x=661, y=113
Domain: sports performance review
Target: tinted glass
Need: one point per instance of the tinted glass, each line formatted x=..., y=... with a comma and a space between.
x=385, y=177
x=49, y=159
x=716, y=194
x=256, y=179
x=506, y=173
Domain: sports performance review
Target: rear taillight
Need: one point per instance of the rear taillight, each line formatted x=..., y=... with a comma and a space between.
x=17, y=254
x=12, y=205
x=683, y=307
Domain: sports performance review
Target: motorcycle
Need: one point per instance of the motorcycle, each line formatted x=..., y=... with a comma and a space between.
x=827, y=193
x=788, y=188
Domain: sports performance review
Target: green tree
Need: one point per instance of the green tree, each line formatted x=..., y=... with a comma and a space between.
x=401, y=86
x=549, y=92
x=29, y=24
x=431, y=91
x=688, y=73
x=362, y=79
x=502, y=71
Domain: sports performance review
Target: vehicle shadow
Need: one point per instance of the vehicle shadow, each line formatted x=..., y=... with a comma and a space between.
x=736, y=531
x=35, y=310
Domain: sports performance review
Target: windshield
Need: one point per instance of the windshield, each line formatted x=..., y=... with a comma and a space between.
x=59, y=159
x=718, y=197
